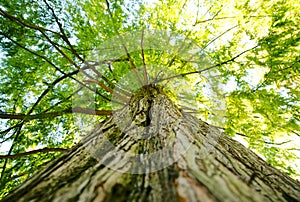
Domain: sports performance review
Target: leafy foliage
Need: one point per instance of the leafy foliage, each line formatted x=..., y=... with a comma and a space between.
x=253, y=46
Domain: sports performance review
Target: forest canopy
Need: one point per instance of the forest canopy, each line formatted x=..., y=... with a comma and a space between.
x=53, y=52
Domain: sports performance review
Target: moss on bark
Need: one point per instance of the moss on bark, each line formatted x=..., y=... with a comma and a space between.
x=213, y=168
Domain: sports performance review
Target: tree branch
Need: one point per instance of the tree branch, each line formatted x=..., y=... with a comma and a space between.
x=16, y=134
x=231, y=17
x=42, y=31
x=132, y=65
x=206, y=69
x=144, y=63
x=9, y=129
x=48, y=61
x=219, y=36
x=21, y=23
x=266, y=142
x=210, y=42
x=55, y=114
x=13, y=156
x=65, y=38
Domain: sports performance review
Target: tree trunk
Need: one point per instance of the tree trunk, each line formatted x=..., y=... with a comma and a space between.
x=151, y=151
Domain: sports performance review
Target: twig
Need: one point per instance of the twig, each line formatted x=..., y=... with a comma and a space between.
x=132, y=65
x=144, y=63
x=206, y=69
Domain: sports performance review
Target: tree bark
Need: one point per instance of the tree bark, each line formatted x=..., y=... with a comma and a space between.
x=152, y=151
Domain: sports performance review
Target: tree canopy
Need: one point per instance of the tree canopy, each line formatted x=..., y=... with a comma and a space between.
x=54, y=52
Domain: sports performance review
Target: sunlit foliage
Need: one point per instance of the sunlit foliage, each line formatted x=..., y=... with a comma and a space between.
x=254, y=47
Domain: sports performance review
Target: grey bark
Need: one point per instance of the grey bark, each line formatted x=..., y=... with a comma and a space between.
x=193, y=161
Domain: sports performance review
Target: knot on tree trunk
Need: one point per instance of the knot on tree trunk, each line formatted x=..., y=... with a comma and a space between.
x=142, y=102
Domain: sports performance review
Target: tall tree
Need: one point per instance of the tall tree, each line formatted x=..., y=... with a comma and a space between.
x=170, y=156
x=140, y=70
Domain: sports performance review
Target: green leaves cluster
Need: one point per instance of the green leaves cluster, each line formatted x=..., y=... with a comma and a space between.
x=46, y=46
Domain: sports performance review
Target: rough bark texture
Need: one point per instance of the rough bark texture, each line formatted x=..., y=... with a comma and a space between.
x=151, y=151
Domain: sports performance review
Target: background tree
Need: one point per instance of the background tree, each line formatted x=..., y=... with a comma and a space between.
x=253, y=46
